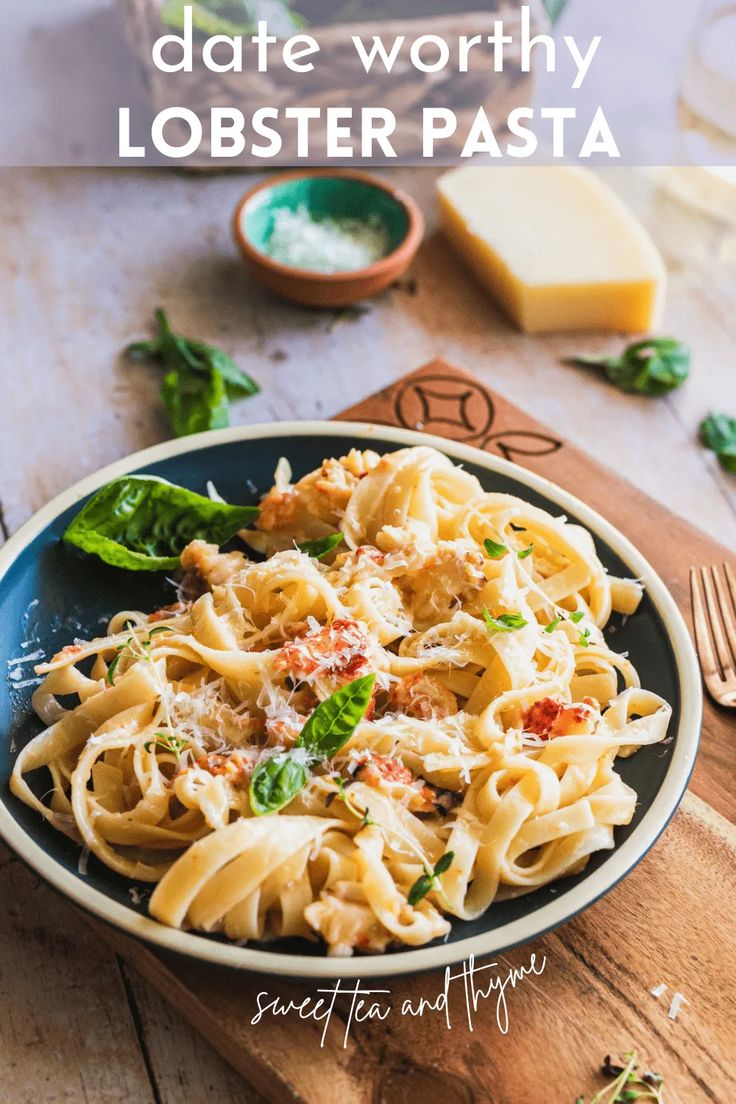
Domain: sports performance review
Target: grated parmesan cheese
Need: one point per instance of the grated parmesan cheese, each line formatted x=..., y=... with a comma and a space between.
x=212, y=492
x=339, y=244
x=26, y=658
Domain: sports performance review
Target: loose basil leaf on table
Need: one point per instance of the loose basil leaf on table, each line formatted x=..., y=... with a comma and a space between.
x=178, y=352
x=233, y=17
x=195, y=401
x=718, y=432
x=651, y=367
x=200, y=380
x=143, y=523
x=278, y=780
x=321, y=547
x=554, y=9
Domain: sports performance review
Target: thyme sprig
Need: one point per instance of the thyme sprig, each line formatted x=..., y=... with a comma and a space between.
x=169, y=742
x=496, y=551
x=136, y=648
x=574, y=619
x=430, y=878
x=627, y=1083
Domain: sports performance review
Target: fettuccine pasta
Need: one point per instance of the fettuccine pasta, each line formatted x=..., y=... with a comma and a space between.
x=489, y=746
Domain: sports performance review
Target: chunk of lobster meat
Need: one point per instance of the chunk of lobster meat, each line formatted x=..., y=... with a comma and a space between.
x=392, y=778
x=168, y=612
x=346, y=926
x=450, y=576
x=422, y=695
x=375, y=769
x=235, y=767
x=337, y=479
x=67, y=650
x=549, y=718
x=339, y=651
x=278, y=510
x=206, y=567
x=313, y=507
x=357, y=564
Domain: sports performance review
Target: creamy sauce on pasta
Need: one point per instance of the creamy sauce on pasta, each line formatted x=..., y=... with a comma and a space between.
x=498, y=713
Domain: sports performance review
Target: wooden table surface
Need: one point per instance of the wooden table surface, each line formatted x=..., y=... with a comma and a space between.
x=85, y=256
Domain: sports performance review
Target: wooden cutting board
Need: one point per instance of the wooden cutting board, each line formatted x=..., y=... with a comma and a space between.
x=671, y=921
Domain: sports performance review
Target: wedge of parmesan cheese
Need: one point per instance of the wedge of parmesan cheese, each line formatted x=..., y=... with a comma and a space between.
x=555, y=246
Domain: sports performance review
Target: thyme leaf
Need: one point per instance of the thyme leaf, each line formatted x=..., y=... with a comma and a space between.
x=430, y=879
x=505, y=622
x=494, y=551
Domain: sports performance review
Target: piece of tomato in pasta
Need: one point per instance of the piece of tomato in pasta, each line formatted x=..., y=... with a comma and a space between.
x=335, y=651
x=549, y=718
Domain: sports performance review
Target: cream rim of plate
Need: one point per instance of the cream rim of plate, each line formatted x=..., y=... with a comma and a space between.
x=571, y=901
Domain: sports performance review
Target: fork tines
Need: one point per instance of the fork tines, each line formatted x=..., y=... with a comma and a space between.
x=713, y=591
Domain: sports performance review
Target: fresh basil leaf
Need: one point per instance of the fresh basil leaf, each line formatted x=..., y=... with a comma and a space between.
x=143, y=523
x=578, y=615
x=718, y=432
x=233, y=17
x=552, y=625
x=422, y=886
x=204, y=358
x=493, y=550
x=525, y=552
x=335, y=719
x=584, y=638
x=200, y=379
x=276, y=782
x=651, y=367
x=727, y=459
x=194, y=401
x=554, y=9
x=321, y=547
x=507, y=622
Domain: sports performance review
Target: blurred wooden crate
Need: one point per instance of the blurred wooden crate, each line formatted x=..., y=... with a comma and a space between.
x=339, y=79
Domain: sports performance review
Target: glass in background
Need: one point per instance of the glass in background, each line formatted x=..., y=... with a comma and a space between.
x=707, y=114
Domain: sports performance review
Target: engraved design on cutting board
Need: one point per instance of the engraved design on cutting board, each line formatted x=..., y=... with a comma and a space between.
x=463, y=410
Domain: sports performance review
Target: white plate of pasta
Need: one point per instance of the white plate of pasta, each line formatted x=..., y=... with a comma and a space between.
x=423, y=704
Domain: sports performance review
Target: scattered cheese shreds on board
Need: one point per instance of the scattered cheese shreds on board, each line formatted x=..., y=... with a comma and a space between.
x=658, y=991
x=677, y=1002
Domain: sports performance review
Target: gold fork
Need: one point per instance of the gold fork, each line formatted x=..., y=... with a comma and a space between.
x=713, y=594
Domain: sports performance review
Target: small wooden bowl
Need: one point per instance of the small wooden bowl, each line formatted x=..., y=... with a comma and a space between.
x=327, y=192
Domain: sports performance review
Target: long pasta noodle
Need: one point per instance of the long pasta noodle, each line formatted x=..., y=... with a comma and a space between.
x=490, y=746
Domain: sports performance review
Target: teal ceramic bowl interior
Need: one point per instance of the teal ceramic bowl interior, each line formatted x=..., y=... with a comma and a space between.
x=333, y=196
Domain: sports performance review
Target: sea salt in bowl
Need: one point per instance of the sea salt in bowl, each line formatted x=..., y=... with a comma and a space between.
x=325, y=237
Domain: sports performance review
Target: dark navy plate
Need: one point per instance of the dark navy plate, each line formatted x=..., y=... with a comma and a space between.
x=50, y=594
